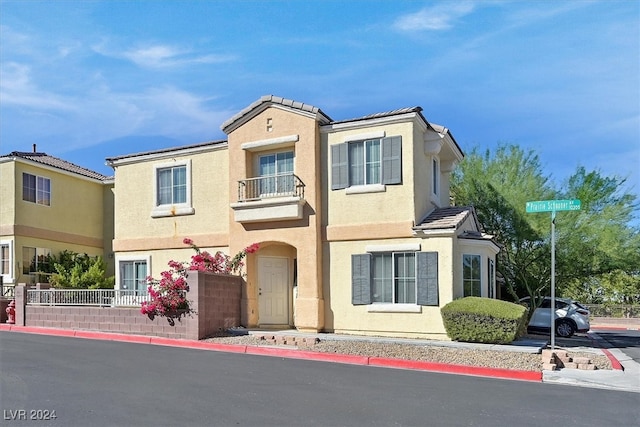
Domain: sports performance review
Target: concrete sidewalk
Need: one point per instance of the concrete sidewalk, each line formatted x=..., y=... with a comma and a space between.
x=625, y=379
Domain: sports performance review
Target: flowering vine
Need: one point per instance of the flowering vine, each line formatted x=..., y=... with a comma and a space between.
x=169, y=293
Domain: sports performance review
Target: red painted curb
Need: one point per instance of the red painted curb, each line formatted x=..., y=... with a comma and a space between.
x=457, y=369
x=308, y=355
x=615, y=363
x=288, y=353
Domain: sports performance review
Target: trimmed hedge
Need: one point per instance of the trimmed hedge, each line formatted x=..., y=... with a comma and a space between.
x=484, y=320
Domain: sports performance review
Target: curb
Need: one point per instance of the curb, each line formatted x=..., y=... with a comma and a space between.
x=616, y=327
x=383, y=362
x=615, y=363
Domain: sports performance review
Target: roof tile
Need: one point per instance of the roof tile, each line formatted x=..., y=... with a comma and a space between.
x=45, y=159
x=445, y=218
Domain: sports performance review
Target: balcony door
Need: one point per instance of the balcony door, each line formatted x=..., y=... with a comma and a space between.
x=276, y=173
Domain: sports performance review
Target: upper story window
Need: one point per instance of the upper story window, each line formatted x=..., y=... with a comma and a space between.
x=367, y=162
x=172, y=188
x=172, y=185
x=471, y=275
x=36, y=189
x=435, y=176
x=276, y=173
x=364, y=162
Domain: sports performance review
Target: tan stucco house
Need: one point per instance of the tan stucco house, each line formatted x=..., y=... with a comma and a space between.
x=49, y=205
x=353, y=218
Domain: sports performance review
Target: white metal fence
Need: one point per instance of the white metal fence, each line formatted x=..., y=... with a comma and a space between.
x=87, y=297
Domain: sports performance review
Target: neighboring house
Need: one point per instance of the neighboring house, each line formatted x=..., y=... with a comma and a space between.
x=50, y=205
x=353, y=218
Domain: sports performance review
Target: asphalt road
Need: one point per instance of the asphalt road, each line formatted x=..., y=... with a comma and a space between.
x=104, y=383
x=626, y=341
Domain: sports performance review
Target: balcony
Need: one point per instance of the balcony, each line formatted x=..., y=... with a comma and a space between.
x=269, y=198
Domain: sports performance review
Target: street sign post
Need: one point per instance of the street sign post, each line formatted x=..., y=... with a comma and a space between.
x=553, y=206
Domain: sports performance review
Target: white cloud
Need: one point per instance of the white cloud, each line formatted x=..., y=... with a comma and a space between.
x=434, y=18
x=16, y=88
x=161, y=56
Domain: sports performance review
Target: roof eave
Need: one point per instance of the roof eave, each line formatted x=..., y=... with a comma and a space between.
x=267, y=101
x=165, y=152
x=53, y=169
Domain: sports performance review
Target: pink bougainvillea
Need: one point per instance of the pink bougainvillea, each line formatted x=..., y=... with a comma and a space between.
x=169, y=293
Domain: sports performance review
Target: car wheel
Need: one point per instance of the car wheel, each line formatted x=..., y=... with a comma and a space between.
x=565, y=329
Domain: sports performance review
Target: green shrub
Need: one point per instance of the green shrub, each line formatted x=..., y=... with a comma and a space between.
x=484, y=320
x=80, y=271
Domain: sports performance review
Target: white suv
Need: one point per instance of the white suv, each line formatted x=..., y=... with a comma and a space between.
x=571, y=317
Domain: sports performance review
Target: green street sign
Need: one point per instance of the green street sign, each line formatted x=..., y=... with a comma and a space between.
x=553, y=206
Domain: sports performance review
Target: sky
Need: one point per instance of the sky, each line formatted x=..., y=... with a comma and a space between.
x=87, y=80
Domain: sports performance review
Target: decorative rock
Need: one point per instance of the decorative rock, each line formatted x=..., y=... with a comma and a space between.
x=420, y=350
x=548, y=366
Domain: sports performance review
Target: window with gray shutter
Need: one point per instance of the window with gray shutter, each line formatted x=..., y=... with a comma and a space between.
x=392, y=160
x=363, y=163
x=427, y=280
x=339, y=166
x=361, y=279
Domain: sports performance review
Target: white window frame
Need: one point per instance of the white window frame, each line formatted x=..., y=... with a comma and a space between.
x=288, y=184
x=38, y=189
x=435, y=176
x=131, y=258
x=173, y=209
x=474, y=279
x=492, y=277
x=394, y=277
x=365, y=162
x=7, y=277
x=366, y=187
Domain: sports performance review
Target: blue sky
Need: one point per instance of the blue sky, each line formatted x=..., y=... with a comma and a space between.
x=85, y=80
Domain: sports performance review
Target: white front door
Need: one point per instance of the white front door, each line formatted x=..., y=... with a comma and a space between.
x=273, y=290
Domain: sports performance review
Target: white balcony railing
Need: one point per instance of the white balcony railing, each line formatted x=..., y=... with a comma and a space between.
x=87, y=297
x=283, y=185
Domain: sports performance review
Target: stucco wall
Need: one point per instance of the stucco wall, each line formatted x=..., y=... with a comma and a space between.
x=473, y=247
x=136, y=229
x=73, y=222
x=304, y=234
x=8, y=190
x=395, y=205
x=343, y=317
x=76, y=206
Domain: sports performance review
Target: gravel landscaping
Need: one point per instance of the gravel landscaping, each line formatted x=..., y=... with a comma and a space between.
x=418, y=351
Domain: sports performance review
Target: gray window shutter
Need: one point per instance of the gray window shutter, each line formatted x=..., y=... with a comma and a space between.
x=339, y=166
x=427, y=280
x=392, y=160
x=361, y=279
